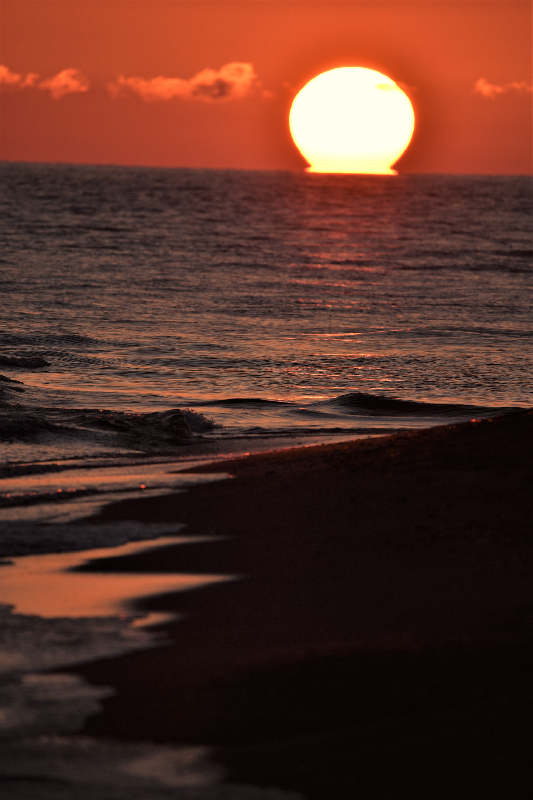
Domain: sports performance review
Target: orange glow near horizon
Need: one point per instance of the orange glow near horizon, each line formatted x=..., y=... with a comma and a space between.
x=352, y=120
x=209, y=85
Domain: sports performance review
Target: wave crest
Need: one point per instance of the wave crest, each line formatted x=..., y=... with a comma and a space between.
x=24, y=362
x=142, y=431
x=361, y=402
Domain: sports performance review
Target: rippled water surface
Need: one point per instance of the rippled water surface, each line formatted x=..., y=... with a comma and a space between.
x=149, y=313
x=152, y=288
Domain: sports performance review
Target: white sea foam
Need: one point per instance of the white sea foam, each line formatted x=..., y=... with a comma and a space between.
x=70, y=494
x=33, y=703
x=61, y=768
x=26, y=539
x=36, y=703
x=54, y=618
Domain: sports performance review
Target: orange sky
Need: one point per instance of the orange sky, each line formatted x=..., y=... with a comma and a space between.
x=466, y=65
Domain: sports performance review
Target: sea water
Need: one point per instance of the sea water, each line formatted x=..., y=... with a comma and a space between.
x=268, y=302
x=150, y=313
x=155, y=316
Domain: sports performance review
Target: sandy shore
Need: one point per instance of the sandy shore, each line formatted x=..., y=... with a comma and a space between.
x=379, y=640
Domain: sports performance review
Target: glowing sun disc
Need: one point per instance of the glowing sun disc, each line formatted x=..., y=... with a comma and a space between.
x=352, y=119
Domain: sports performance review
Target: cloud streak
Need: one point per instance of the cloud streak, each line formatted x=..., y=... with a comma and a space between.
x=492, y=90
x=68, y=81
x=14, y=80
x=233, y=81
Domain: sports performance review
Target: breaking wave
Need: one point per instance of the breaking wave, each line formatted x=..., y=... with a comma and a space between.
x=362, y=404
x=36, y=431
x=142, y=432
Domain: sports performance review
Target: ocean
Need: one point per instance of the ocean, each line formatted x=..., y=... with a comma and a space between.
x=150, y=317
x=271, y=304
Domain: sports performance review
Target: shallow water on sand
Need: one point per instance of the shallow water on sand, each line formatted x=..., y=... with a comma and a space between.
x=51, y=585
x=52, y=616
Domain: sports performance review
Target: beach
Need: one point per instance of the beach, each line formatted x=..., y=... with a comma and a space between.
x=377, y=639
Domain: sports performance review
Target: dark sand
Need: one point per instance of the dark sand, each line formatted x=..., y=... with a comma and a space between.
x=380, y=641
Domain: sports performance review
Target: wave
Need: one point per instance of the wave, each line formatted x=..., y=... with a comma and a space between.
x=23, y=426
x=514, y=253
x=5, y=379
x=145, y=432
x=246, y=402
x=360, y=403
x=29, y=362
x=13, y=340
x=7, y=386
x=35, y=434
x=376, y=404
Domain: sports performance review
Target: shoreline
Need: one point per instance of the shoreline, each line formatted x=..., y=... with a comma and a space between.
x=381, y=628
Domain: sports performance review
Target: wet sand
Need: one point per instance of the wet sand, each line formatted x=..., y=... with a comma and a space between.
x=378, y=642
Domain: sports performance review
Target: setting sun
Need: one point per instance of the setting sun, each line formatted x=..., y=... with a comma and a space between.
x=352, y=119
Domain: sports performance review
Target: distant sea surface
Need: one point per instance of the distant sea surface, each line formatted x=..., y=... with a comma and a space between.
x=144, y=311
